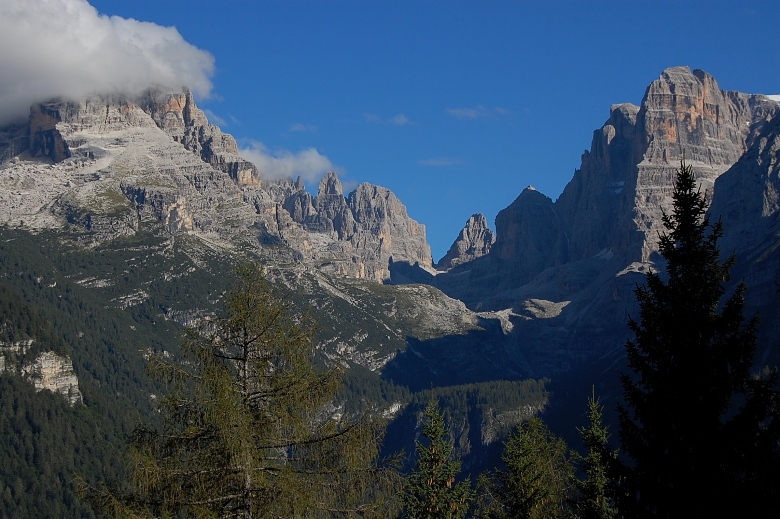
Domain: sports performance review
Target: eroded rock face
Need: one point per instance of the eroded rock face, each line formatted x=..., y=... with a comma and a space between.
x=474, y=241
x=47, y=371
x=115, y=165
x=55, y=373
x=686, y=115
x=617, y=197
x=179, y=117
x=359, y=235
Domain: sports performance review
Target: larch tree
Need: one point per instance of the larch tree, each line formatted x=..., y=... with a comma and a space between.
x=431, y=491
x=247, y=429
x=694, y=415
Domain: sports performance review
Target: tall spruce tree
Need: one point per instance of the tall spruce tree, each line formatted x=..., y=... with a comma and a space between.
x=693, y=413
x=594, y=497
x=245, y=430
x=535, y=483
x=431, y=491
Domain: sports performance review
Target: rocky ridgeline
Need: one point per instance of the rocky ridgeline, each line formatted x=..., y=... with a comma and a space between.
x=111, y=166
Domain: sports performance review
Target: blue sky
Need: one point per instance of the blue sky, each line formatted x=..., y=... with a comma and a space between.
x=455, y=106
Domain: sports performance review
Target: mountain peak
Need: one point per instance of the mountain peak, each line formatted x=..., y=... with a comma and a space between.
x=330, y=185
x=474, y=241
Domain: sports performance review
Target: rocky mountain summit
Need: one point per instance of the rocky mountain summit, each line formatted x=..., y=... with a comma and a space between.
x=108, y=166
x=474, y=241
x=584, y=252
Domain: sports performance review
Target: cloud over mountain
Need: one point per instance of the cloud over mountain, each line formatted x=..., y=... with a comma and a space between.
x=65, y=48
x=308, y=164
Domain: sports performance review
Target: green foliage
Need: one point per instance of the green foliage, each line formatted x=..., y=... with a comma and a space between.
x=683, y=429
x=247, y=428
x=594, y=497
x=47, y=443
x=431, y=491
x=535, y=483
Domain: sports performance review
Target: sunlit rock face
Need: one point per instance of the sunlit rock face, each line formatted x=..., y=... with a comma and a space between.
x=474, y=241
x=110, y=166
x=616, y=199
x=54, y=373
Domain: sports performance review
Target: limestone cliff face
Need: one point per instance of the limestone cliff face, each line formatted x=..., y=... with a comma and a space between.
x=111, y=166
x=55, y=373
x=685, y=114
x=365, y=231
x=596, y=207
x=385, y=230
x=46, y=371
x=616, y=198
x=474, y=241
x=180, y=118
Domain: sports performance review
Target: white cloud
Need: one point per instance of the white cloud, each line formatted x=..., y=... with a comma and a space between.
x=775, y=97
x=64, y=48
x=371, y=118
x=309, y=164
x=478, y=112
x=441, y=162
x=398, y=119
x=300, y=127
x=214, y=118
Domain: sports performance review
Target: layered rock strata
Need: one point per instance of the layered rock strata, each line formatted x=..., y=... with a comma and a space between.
x=111, y=166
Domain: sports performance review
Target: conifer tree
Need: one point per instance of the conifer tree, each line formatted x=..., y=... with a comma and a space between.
x=535, y=483
x=595, y=493
x=431, y=491
x=245, y=430
x=683, y=426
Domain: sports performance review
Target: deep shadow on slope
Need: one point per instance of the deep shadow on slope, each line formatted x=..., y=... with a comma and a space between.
x=476, y=356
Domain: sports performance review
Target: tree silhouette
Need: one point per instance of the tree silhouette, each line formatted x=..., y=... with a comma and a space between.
x=693, y=411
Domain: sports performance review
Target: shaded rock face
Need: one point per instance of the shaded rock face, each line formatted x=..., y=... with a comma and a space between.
x=747, y=200
x=474, y=241
x=585, y=252
x=747, y=196
x=615, y=201
x=531, y=235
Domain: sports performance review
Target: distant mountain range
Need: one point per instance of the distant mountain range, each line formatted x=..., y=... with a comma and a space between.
x=138, y=207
